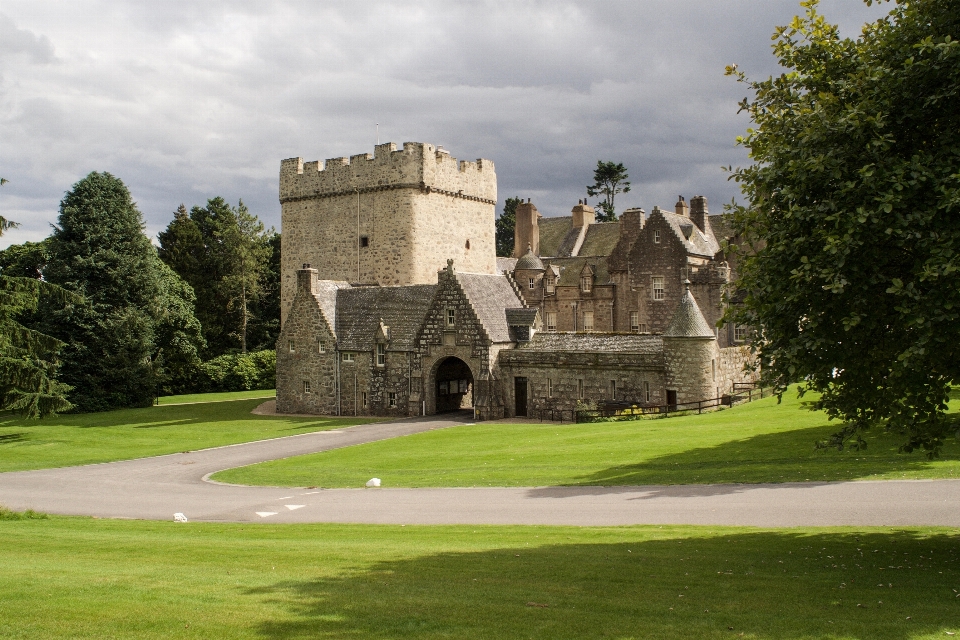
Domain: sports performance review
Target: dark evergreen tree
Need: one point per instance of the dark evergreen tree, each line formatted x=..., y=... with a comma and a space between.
x=265, y=325
x=609, y=179
x=25, y=260
x=98, y=250
x=179, y=336
x=506, y=224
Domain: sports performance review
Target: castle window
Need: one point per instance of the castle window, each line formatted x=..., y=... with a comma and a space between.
x=580, y=389
x=321, y=346
x=306, y=386
x=292, y=347
x=451, y=317
x=739, y=333
x=467, y=245
x=381, y=354
x=364, y=241
x=532, y=284
x=634, y=321
x=656, y=236
x=363, y=399
x=586, y=284
x=392, y=399
x=713, y=369
x=551, y=285
x=588, y=320
x=658, y=292
x=549, y=387
x=551, y=320
x=646, y=391
x=613, y=389
x=349, y=356
x=643, y=328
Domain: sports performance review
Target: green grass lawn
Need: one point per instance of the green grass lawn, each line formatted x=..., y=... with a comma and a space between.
x=81, y=577
x=757, y=442
x=263, y=394
x=134, y=433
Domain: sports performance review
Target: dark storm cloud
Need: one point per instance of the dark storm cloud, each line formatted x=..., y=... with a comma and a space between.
x=185, y=101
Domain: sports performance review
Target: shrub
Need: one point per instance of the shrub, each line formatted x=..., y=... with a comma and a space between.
x=239, y=372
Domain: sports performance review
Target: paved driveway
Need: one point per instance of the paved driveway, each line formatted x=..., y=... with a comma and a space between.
x=156, y=488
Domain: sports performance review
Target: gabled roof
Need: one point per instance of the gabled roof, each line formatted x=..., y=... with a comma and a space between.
x=402, y=309
x=490, y=296
x=595, y=343
x=695, y=241
x=688, y=321
x=601, y=239
x=570, y=269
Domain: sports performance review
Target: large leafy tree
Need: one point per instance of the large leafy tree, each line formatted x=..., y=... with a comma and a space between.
x=609, y=179
x=506, y=224
x=853, y=221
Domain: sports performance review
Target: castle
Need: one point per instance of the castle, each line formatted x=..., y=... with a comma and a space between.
x=394, y=303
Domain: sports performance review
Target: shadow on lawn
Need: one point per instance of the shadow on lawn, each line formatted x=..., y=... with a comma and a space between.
x=10, y=438
x=780, y=585
x=788, y=456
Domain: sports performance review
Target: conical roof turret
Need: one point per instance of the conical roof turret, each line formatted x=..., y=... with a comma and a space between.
x=530, y=261
x=688, y=320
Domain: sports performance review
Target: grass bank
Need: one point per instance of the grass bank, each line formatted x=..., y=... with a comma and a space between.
x=263, y=394
x=758, y=442
x=73, y=577
x=134, y=433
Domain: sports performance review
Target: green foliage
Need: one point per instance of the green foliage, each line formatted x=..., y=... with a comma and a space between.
x=852, y=229
x=28, y=358
x=179, y=336
x=240, y=371
x=25, y=260
x=506, y=224
x=232, y=264
x=112, y=356
x=609, y=179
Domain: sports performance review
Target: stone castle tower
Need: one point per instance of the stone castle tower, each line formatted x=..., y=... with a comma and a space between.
x=393, y=218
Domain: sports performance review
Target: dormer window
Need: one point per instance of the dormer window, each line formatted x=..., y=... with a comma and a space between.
x=381, y=354
x=550, y=284
x=586, y=283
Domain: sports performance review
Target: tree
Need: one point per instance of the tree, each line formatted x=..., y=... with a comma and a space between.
x=609, y=179
x=114, y=337
x=25, y=260
x=4, y=223
x=506, y=224
x=224, y=253
x=179, y=336
x=853, y=221
x=28, y=358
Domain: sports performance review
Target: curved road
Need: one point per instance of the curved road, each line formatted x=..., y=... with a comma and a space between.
x=156, y=488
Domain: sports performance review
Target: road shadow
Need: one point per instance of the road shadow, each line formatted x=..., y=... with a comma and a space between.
x=651, y=583
x=784, y=457
x=650, y=492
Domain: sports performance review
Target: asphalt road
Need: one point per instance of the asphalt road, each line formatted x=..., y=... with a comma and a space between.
x=157, y=488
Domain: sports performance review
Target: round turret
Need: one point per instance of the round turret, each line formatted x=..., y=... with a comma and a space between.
x=529, y=262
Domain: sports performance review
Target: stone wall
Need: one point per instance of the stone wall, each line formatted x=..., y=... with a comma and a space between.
x=418, y=208
x=733, y=361
x=693, y=368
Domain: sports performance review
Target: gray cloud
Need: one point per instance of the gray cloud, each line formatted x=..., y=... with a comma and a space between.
x=185, y=101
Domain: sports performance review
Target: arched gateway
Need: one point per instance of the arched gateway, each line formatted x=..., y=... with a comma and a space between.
x=453, y=385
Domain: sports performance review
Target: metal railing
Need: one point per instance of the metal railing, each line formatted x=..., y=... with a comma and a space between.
x=625, y=410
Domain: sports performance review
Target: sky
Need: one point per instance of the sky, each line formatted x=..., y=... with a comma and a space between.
x=185, y=101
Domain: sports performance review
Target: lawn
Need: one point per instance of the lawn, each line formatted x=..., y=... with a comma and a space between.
x=134, y=433
x=263, y=394
x=758, y=442
x=81, y=577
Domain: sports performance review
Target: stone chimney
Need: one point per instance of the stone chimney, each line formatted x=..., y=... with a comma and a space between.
x=526, y=233
x=631, y=223
x=681, y=207
x=699, y=213
x=306, y=280
x=583, y=214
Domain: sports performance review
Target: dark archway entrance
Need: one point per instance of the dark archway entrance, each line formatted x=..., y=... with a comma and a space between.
x=454, y=385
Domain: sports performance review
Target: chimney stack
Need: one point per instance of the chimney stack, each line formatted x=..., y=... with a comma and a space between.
x=526, y=231
x=583, y=214
x=681, y=208
x=699, y=213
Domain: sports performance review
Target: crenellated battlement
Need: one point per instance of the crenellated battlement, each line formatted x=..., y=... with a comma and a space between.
x=416, y=166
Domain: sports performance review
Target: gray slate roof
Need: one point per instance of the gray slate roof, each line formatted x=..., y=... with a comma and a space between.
x=595, y=343
x=490, y=296
x=552, y=232
x=529, y=261
x=688, y=321
x=601, y=239
x=360, y=309
x=698, y=243
x=521, y=317
x=570, y=269
x=506, y=264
